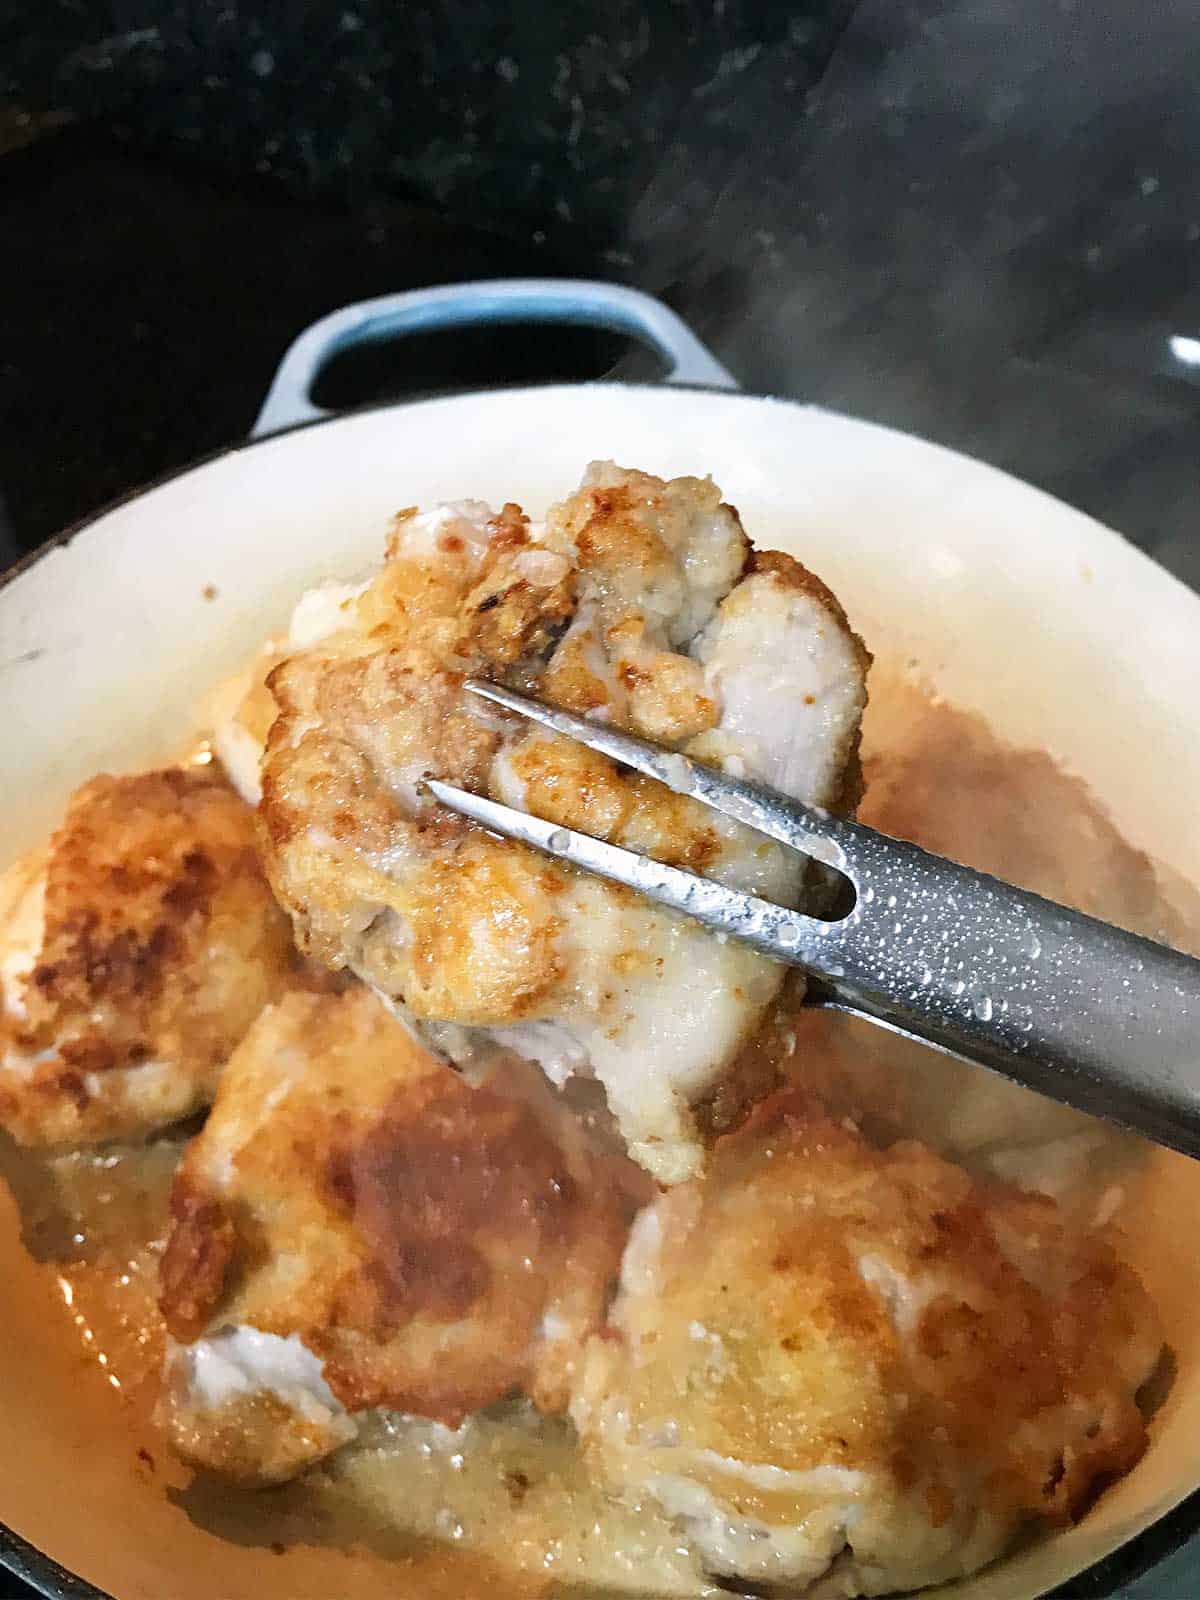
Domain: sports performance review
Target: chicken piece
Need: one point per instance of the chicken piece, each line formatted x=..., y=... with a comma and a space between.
x=140, y=944
x=242, y=709
x=640, y=603
x=251, y=1406
x=859, y=1369
x=357, y=1226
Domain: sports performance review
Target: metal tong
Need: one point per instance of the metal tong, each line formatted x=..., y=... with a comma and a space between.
x=1101, y=1019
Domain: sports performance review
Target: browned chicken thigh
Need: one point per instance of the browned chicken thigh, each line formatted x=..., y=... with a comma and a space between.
x=357, y=1226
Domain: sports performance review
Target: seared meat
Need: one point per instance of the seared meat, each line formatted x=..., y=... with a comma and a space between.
x=357, y=1226
x=242, y=709
x=639, y=602
x=833, y=1362
x=140, y=944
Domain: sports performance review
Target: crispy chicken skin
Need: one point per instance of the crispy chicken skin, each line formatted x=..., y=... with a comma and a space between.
x=639, y=602
x=242, y=708
x=358, y=1226
x=859, y=1369
x=140, y=944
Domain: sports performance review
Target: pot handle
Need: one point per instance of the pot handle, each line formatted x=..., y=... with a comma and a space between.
x=491, y=301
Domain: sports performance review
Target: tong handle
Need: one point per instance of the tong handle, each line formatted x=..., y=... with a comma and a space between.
x=1102, y=1019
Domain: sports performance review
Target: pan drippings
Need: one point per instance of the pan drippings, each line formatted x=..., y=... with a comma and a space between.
x=506, y=1496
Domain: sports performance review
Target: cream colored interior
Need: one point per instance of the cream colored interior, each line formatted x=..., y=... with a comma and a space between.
x=1056, y=630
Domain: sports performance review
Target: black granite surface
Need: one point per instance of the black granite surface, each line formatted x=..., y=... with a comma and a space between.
x=975, y=219
x=146, y=308
x=542, y=112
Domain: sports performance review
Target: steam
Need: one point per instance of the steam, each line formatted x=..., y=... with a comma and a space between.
x=980, y=225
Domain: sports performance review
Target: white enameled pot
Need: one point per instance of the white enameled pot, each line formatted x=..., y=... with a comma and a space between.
x=1059, y=632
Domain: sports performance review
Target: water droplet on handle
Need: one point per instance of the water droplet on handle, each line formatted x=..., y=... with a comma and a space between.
x=560, y=839
x=981, y=1005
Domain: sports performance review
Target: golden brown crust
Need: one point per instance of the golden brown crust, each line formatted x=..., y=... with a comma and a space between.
x=160, y=944
x=116, y=919
x=574, y=787
x=609, y=527
x=846, y=801
x=624, y=525
x=413, y=1231
x=256, y=1439
x=370, y=712
x=378, y=709
x=192, y=1271
x=483, y=936
x=879, y=1311
x=759, y=1068
x=507, y=617
x=618, y=607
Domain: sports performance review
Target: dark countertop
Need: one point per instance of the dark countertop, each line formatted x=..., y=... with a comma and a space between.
x=978, y=220
x=147, y=306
